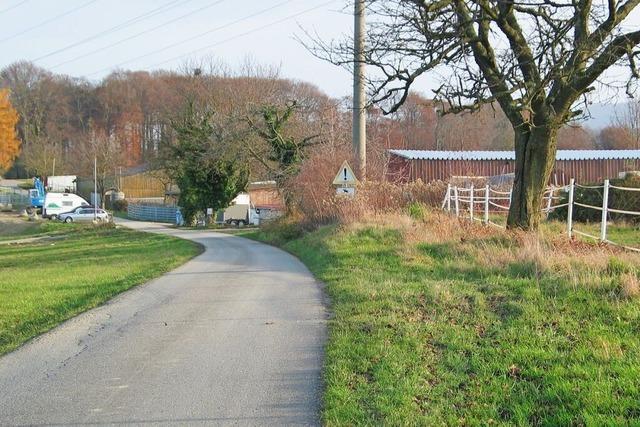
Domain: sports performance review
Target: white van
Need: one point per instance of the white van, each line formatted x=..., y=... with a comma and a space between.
x=57, y=203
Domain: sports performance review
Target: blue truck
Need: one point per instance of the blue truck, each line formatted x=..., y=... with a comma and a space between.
x=37, y=195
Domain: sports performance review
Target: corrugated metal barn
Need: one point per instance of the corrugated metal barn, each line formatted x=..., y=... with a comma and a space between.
x=585, y=166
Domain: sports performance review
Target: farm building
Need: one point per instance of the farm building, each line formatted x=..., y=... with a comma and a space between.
x=585, y=166
x=265, y=195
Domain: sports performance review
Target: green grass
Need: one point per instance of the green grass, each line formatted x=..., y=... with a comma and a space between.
x=625, y=234
x=622, y=234
x=471, y=330
x=43, y=284
x=27, y=229
x=120, y=214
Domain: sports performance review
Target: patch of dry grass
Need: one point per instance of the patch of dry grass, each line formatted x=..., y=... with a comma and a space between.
x=547, y=252
x=629, y=285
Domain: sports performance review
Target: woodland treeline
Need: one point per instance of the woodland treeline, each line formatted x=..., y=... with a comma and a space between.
x=126, y=119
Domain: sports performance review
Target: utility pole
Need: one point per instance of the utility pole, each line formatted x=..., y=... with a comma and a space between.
x=359, y=96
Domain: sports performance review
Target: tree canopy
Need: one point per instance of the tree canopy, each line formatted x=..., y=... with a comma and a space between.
x=283, y=152
x=9, y=142
x=208, y=175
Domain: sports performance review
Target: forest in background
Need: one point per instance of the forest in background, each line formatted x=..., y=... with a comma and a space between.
x=126, y=119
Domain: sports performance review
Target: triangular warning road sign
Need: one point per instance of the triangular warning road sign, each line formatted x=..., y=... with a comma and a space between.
x=345, y=175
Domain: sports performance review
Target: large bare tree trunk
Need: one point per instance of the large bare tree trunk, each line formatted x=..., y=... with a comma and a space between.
x=535, y=157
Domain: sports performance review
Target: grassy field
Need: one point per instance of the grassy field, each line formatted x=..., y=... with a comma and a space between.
x=18, y=228
x=43, y=284
x=622, y=234
x=443, y=323
x=625, y=234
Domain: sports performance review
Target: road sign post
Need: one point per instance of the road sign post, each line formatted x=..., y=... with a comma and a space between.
x=345, y=181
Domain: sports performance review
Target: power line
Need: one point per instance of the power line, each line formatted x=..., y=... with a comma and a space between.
x=159, y=10
x=137, y=34
x=48, y=21
x=237, y=21
x=246, y=33
x=14, y=6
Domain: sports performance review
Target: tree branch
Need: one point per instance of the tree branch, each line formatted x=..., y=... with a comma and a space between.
x=485, y=58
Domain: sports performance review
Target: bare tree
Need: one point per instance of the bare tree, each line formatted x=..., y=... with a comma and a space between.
x=43, y=157
x=575, y=137
x=106, y=151
x=535, y=58
x=615, y=138
x=629, y=120
x=282, y=153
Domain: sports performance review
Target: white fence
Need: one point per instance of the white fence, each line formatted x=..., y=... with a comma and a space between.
x=479, y=204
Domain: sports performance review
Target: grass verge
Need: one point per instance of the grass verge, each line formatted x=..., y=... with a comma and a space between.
x=622, y=234
x=43, y=284
x=441, y=322
x=21, y=228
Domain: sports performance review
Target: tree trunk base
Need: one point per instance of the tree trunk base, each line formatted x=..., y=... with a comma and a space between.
x=535, y=158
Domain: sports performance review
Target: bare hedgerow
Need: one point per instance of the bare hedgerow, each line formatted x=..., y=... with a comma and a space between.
x=316, y=197
x=318, y=202
x=322, y=205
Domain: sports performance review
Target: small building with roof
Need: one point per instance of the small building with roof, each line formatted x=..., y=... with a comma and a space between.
x=584, y=165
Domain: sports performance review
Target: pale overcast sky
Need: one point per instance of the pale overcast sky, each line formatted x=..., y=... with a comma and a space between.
x=26, y=34
x=92, y=37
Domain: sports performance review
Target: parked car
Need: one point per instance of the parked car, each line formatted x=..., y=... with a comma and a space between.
x=75, y=210
x=85, y=214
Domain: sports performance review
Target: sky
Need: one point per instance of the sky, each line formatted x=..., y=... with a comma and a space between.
x=91, y=38
x=149, y=34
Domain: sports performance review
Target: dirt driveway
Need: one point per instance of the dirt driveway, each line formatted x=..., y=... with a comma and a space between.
x=11, y=223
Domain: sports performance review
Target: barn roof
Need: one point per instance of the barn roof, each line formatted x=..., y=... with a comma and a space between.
x=510, y=155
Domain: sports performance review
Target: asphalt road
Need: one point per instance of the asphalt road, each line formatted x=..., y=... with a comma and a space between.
x=233, y=337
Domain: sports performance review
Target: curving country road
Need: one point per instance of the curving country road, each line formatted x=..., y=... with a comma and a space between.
x=233, y=337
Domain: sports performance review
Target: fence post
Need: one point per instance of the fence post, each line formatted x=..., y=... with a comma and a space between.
x=449, y=198
x=486, y=204
x=471, y=202
x=446, y=197
x=550, y=199
x=605, y=207
x=570, y=209
x=457, y=203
